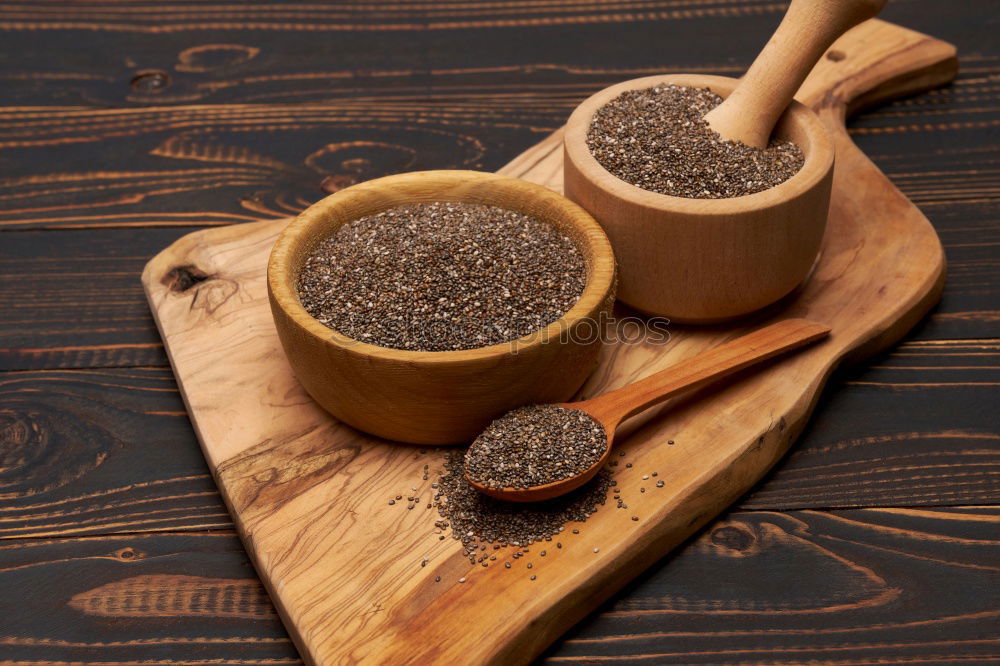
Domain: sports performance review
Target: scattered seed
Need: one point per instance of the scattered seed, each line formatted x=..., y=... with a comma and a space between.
x=477, y=520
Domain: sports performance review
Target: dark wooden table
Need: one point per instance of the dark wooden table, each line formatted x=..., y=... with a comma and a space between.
x=125, y=125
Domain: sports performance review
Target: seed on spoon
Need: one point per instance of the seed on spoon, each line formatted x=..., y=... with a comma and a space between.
x=535, y=445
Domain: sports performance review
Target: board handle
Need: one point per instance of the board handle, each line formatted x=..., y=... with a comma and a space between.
x=876, y=61
x=872, y=62
x=749, y=113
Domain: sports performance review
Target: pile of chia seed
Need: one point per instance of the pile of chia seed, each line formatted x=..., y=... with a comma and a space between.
x=535, y=445
x=657, y=139
x=442, y=277
x=479, y=520
x=493, y=532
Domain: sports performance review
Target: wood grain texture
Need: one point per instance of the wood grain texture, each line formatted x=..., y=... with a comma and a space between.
x=93, y=313
x=224, y=163
x=862, y=586
x=253, y=51
x=296, y=493
x=70, y=299
x=885, y=586
x=223, y=145
x=916, y=428
x=858, y=460
x=155, y=598
x=98, y=452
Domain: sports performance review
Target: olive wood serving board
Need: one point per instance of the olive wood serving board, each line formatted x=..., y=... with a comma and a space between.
x=310, y=496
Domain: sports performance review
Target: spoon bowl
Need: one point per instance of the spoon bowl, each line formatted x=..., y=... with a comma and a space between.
x=610, y=409
x=547, y=491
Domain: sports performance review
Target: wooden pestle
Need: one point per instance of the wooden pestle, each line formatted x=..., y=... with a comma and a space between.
x=805, y=33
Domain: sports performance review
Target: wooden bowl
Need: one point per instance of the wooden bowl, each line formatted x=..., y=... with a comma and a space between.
x=705, y=260
x=438, y=397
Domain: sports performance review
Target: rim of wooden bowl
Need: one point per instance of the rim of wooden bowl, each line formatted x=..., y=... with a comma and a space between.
x=387, y=191
x=818, y=159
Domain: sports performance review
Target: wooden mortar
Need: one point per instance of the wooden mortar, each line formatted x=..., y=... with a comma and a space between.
x=705, y=260
x=709, y=260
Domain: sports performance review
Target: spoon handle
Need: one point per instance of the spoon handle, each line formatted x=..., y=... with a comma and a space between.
x=731, y=357
x=807, y=30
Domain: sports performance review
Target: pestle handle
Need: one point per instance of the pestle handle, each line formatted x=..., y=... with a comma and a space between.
x=805, y=33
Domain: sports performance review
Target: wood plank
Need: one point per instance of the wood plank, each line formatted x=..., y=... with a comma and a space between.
x=879, y=272
x=320, y=50
x=100, y=452
x=94, y=452
x=885, y=436
x=154, y=598
x=221, y=164
x=72, y=299
x=862, y=586
x=257, y=51
x=846, y=587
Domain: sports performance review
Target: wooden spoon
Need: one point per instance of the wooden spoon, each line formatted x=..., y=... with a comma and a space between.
x=809, y=27
x=614, y=407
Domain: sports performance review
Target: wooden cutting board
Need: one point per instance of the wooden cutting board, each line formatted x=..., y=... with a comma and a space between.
x=309, y=495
